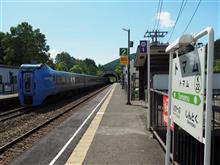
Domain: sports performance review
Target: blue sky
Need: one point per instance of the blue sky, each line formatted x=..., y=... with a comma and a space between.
x=93, y=29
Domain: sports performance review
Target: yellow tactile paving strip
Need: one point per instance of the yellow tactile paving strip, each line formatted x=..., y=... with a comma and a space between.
x=79, y=153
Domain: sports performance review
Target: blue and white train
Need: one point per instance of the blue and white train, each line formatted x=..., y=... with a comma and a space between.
x=38, y=81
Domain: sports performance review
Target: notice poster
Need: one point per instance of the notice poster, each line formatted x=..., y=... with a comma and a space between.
x=165, y=113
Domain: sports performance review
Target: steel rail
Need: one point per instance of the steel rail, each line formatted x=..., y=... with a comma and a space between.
x=11, y=112
x=21, y=137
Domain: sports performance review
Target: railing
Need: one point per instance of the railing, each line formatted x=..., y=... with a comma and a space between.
x=6, y=88
x=185, y=149
x=157, y=125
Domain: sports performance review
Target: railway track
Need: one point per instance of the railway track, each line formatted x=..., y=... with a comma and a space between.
x=78, y=102
x=12, y=114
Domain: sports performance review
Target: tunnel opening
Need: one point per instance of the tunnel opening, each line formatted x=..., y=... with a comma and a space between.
x=111, y=77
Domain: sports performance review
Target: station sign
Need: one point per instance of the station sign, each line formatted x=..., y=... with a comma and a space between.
x=124, y=60
x=187, y=94
x=143, y=46
x=123, y=51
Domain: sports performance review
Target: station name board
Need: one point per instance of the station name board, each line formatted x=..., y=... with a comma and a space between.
x=187, y=94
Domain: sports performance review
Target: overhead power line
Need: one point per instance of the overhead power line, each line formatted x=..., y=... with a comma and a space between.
x=161, y=5
x=158, y=6
x=192, y=17
x=183, y=4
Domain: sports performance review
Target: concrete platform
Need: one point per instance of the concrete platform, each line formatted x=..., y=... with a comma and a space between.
x=118, y=135
x=9, y=101
x=8, y=96
x=115, y=134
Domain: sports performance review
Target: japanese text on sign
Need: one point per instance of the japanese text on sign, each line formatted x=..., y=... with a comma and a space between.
x=187, y=97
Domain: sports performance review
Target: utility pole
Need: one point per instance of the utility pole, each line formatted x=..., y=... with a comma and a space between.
x=129, y=83
x=154, y=35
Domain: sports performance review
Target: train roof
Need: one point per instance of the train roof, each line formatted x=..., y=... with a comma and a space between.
x=78, y=74
x=30, y=67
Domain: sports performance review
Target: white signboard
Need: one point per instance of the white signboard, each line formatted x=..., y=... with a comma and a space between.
x=187, y=101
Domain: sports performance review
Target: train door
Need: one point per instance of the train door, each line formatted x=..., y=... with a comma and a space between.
x=28, y=82
x=28, y=87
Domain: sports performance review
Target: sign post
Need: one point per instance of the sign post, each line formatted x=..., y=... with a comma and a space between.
x=210, y=32
x=186, y=90
x=144, y=50
x=130, y=44
x=148, y=80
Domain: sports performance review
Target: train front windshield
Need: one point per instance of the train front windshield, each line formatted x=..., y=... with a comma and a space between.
x=27, y=73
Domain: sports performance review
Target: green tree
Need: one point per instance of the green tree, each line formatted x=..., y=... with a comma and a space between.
x=66, y=59
x=100, y=70
x=90, y=62
x=23, y=44
x=2, y=36
x=217, y=49
x=217, y=65
x=118, y=69
x=89, y=66
x=90, y=69
x=61, y=66
x=217, y=56
x=82, y=65
x=76, y=69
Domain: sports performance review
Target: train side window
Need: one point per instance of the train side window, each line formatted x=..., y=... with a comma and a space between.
x=0, y=79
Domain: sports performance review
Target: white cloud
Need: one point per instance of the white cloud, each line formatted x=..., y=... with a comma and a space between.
x=165, y=19
x=53, y=53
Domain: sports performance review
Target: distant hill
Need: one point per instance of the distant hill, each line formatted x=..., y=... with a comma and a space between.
x=111, y=65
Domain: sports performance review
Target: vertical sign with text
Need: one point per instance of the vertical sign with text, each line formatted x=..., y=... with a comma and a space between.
x=165, y=113
x=187, y=94
x=143, y=46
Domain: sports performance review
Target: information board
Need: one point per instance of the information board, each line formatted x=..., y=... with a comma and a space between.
x=124, y=60
x=123, y=51
x=187, y=101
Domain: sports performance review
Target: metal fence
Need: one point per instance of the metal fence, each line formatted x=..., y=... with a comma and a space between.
x=185, y=149
x=6, y=88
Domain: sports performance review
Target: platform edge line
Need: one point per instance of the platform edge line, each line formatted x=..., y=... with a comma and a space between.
x=77, y=131
x=80, y=151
